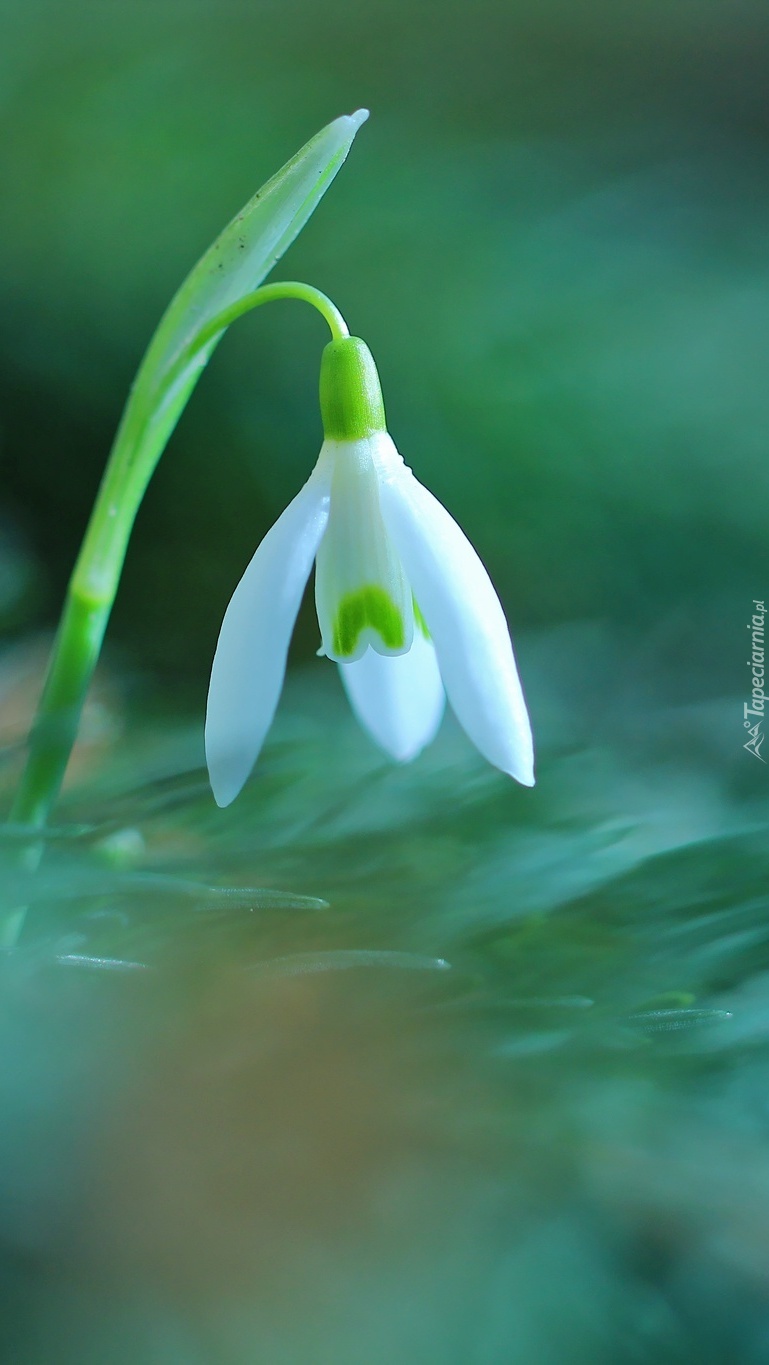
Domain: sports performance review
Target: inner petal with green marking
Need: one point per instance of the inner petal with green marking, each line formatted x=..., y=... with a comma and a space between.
x=368, y=608
x=361, y=591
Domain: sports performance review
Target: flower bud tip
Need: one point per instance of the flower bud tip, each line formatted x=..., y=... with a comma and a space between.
x=358, y=117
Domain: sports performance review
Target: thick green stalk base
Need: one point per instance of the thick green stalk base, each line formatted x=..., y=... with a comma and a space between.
x=75, y=654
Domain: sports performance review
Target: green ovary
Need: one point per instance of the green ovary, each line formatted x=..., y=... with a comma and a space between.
x=372, y=608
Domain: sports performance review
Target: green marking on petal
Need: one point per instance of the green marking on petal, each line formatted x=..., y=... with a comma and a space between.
x=419, y=620
x=370, y=607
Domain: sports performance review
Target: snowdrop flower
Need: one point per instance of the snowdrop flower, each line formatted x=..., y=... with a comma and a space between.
x=405, y=606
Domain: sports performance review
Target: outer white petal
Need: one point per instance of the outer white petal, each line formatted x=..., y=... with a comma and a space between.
x=250, y=661
x=398, y=699
x=465, y=619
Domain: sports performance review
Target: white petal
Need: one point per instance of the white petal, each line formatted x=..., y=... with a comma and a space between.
x=466, y=622
x=399, y=700
x=361, y=592
x=250, y=661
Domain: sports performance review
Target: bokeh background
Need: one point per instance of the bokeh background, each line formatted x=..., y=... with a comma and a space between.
x=481, y=1076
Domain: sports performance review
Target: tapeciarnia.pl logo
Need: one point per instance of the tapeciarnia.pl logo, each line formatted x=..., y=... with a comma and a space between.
x=755, y=707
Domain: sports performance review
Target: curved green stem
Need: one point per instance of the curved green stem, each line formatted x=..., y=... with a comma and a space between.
x=140, y=441
x=268, y=293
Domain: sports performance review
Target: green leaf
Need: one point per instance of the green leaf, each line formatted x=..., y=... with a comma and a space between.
x=235, y=265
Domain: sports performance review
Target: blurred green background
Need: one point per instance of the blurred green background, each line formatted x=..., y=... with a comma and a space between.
x=551, y=232
x=244, y=1129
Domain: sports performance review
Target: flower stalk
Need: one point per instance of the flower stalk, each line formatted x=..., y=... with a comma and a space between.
x=221, y=287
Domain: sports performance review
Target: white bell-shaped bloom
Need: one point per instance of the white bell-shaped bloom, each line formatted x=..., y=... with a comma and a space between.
x=405, y=606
